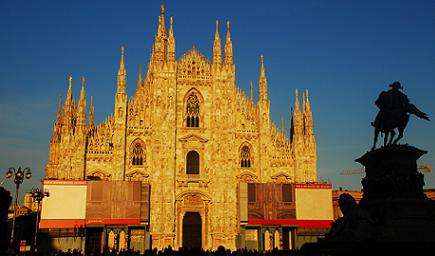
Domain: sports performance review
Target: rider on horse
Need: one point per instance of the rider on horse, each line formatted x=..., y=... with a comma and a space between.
x=393, y=112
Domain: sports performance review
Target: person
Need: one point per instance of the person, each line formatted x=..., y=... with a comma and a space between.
x=392, y=104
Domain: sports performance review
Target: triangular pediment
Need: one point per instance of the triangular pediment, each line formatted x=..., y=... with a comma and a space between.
x=193, y=137
x=247, y=175
x=280, y=175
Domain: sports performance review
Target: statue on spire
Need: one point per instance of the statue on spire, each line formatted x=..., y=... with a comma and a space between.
x=394, y=110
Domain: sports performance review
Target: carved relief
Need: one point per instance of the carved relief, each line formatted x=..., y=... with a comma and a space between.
x=137, y=176
x=98, y=175
x=193, y=66
x=192, y=200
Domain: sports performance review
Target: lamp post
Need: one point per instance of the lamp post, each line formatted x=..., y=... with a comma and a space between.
x=37, y=195
x=19, y=176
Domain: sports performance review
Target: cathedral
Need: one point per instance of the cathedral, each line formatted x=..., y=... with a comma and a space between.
x=189, y=134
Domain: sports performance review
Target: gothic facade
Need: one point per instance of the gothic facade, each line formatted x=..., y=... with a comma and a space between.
x=191, y=134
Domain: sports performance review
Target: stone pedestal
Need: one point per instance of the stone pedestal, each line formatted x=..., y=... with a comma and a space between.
x=394, y=213
x=391, y=172
x=394, y=197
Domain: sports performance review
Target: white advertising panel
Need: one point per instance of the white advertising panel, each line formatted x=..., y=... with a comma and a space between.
x=313, y=201
x=67, y=200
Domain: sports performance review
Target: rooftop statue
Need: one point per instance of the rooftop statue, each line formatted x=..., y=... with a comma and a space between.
x=394, y=112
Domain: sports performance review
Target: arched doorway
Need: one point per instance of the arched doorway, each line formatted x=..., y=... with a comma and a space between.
x=192, y=230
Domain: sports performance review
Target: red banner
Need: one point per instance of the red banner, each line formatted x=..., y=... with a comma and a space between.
x=299, y=223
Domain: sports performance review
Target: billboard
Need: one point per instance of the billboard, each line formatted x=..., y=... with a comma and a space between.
x=313, y=201
x=301, y=205
x=117, y=202
x=74, y=204
x=270, y=201
x=66, y=205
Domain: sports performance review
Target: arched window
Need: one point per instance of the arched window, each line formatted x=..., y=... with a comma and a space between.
x=192, y=162
x=245, y=157
x=137, y=154
x=192, y=111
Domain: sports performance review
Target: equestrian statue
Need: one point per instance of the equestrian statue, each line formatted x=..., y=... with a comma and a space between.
x=394, y=112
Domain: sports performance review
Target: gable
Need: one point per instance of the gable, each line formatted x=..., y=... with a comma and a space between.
x=193, y=66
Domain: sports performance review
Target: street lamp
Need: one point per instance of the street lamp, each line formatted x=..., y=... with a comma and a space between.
x=19, y=178
x=37, y=195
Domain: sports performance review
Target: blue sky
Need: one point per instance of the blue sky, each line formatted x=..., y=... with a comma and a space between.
x=344, y=52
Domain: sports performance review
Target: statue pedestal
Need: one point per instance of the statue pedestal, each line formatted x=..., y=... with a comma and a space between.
x=391, y=172
x=394, y=214
x=394, y=197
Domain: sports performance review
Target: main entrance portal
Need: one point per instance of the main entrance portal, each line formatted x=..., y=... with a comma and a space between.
x=192, y=230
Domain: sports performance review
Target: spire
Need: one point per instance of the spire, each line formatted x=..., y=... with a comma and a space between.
x=217, y=51
x=139, y=76
x=308, y=117
x=251, y=91
x=162, y=29
x=292, y=124
x=171, y=43
x=228, y=46
x=122, y=74
x=56, y=137
x=139, y=86
x=160, y=39
x=121, y=64
x=82, y=91
x=68, y=109
x=69, y=96
x=307, y=107
x=91, y=115
x=298, y=117
x=297, y=101
x=59, y=110
x=282, y=124
x=81, y=111
x=263, y=81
